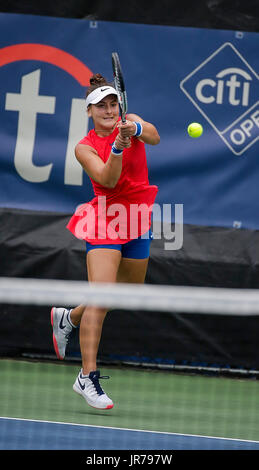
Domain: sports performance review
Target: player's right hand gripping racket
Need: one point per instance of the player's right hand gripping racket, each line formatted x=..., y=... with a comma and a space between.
x=120, y=86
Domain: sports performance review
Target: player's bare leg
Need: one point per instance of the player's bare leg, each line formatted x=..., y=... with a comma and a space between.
x=100, y=269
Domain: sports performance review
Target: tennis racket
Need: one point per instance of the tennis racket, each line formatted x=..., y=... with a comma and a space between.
x=120, y=86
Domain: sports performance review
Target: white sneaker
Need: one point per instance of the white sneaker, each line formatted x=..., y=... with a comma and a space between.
x=61, y=330
x=88, y=386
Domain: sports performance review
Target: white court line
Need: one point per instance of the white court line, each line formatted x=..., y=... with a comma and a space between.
x=128, y=429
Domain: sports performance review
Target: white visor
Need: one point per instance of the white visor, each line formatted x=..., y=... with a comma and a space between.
x=99, y=93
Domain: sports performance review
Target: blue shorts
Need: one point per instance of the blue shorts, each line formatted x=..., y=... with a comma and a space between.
x=138, y=248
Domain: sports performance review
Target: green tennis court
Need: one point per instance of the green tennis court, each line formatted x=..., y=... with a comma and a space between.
x=160, y=401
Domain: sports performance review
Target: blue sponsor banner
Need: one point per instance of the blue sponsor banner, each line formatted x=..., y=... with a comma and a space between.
x=174, y=76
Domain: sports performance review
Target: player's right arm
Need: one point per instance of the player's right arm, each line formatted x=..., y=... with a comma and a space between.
x=106, y=174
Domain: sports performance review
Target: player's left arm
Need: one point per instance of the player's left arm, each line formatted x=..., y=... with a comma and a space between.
x=149, y=133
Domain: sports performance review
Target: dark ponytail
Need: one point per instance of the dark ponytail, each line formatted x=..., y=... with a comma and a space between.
x=96, y=81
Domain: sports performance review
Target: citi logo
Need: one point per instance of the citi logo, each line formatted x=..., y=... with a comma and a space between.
x=225, y=89
x=35, y=109
x=232, y=85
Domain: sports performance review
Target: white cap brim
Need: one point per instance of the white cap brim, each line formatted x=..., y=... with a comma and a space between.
x=99, y=93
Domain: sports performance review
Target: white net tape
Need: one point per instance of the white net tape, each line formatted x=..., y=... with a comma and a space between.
x=157, y=298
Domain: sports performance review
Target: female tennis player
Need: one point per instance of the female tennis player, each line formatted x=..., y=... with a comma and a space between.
x=116, y=232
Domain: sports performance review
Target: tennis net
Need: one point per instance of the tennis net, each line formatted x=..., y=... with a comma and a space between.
x=182, y=362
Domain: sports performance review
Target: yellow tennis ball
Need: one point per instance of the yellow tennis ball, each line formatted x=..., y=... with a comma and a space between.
x=195, y=129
